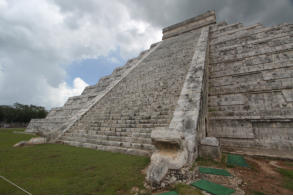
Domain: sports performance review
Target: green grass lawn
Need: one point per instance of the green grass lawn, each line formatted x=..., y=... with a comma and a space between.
x=288, y=178
x=62, y=169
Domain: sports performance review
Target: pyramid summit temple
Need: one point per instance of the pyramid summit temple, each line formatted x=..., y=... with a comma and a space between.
x=208, y=87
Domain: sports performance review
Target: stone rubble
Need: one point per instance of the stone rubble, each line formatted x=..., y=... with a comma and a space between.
x=32, y=141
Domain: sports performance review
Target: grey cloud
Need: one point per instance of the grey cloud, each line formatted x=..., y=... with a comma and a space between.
x=166, y=12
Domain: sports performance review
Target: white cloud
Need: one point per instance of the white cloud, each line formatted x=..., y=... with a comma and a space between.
x=114, y=60
x=3, y=3
x=64, y=91
x=39, y=38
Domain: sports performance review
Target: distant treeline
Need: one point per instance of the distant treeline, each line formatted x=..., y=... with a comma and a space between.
x=19, y=113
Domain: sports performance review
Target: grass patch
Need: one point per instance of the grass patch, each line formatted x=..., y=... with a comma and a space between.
x=184, y=189
x=288, y=178
x=288, y=163
x=62, y=169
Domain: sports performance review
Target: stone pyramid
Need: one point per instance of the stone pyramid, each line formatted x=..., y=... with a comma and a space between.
x=206, y=87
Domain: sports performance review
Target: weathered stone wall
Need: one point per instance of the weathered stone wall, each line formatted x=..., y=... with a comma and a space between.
x=251, y=89
x=122, y=121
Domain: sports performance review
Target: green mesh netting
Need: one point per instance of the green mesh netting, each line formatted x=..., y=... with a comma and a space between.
x=236, y=160
x=214, y=171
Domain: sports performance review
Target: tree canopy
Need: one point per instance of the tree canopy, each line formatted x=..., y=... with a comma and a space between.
x=21, y=113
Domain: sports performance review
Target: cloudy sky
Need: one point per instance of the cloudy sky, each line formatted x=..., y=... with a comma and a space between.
x=52, y=49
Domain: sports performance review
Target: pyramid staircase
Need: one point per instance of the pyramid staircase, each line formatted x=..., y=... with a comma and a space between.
x=248, y=103
x=123, y=120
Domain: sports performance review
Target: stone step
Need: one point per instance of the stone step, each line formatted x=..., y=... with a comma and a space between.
x=50, y=121
x=116, y=125
x=270, y=41
x=215, y=39
x=272, y=72
x=116, y=136
x=249, y=35
x=147, y=120
x=260, y=51
x=253, y=87
x=251, y=62
x=118, y=130
x=242, y=69
x=121, y=134
x=245, y=107
x=107, y=142
x=105, y=118
x=57, y=117
x=281, y=114
x=226, y=28
x=218, y=25
x=121, y=124
x=109, y=148
x=218, y=38
x=134, y=134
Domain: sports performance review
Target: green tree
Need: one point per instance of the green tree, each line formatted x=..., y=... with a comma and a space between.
x=21, y=113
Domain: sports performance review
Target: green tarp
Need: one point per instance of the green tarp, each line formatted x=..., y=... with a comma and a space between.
x=169, y=193
x=214, y=171
x=236, y=160
x=212, y=188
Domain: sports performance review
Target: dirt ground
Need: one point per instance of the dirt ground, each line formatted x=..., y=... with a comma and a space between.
x=263, y=176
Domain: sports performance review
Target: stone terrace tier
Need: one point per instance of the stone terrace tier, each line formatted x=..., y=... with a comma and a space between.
x=251, y=89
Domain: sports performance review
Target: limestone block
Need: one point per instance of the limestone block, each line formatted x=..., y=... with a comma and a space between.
x=210, y=141
x=166, y=135
x=232, y=99
x=19, y=144
x=37, y=140
x=209, y=152
x=32, y=141
x=288, y=94
x=230, y=128
x=210, y=148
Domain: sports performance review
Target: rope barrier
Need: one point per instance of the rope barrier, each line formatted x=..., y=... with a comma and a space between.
x=15, y=185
